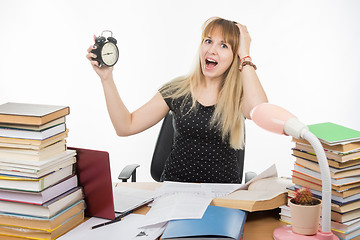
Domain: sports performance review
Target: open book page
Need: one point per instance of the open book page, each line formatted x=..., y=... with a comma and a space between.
x=269, y=172
x=262, y=194
x=262, y=189
x=271, y=186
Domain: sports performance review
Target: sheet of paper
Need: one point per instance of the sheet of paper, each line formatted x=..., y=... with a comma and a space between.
x=212, y=189
x=125, y=198
x=129, y=228
x=177, y=206
x=220, y=189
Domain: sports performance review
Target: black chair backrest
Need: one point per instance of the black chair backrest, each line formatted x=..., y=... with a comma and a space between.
x=163, y=148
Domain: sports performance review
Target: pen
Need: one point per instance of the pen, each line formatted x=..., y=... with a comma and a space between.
x=117, y=219
x=121, y=216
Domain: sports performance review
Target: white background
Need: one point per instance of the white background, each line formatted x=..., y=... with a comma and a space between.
x=307, y=53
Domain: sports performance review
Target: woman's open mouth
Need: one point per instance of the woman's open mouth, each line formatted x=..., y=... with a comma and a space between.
x=210, y=63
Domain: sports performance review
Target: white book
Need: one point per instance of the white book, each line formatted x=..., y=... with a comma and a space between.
x=333, y=197
x=39, y=197
x=33, y=127
x=35, y=185
x=30, y=134
x=46, y=210
x=38, y=165
x=33, y=155
x=334, y=181
x=15, y=171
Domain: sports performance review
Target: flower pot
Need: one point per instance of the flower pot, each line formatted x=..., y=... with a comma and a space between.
x=305, y=219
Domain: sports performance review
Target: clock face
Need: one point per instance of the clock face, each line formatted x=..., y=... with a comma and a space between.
x=109, y=54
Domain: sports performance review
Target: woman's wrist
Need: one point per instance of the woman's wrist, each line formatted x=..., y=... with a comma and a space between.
x=107, y=78
x=246, y=61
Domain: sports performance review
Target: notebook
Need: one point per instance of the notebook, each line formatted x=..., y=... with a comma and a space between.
x=216, y=223
x=93, y=170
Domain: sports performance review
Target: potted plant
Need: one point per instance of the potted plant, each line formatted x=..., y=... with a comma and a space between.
x=305, y=212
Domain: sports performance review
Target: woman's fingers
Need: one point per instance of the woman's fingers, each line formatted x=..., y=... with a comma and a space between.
x=245, y=40
x=91, y=55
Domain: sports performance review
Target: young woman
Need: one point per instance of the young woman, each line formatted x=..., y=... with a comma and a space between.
x=209, y=106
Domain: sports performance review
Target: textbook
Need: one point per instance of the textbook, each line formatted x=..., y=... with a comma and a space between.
x=42, y=234
x=39, y=197
x=35, y=185
x=341, y=187
x=46, y=210
x=336, y=156
x=31, y=114
x=216, y=223
x=315, y=186
x=34, y=166
x=33, y=127
x=31, y=143
x=347, y=147
x=334, y=199
x=332, y=134
x=33, y=155
x=262, y=194
x=29, y=134
x=334, y=181
x=18, y=220
x=14, y=171
x=312, y=157
x=334, y=172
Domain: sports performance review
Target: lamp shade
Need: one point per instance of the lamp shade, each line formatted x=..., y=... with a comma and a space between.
x=271, y=117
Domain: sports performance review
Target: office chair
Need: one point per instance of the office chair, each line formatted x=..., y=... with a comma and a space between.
x=162, y=151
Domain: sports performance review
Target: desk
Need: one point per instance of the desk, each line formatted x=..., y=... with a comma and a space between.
x=258, y=226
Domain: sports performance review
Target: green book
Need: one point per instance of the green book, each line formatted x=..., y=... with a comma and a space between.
x=333, y=134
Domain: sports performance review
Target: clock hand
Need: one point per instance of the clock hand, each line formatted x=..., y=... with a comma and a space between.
x=107, y=53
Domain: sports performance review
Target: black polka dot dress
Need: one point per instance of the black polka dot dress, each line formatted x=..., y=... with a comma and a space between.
x=198, y=153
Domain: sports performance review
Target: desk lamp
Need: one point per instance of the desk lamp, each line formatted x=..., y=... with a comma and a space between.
x=278, y=120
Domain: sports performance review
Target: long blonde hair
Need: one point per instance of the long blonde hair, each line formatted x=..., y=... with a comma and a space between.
x=227, y=115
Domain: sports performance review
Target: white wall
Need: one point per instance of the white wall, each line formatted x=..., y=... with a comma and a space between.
x=307, y=55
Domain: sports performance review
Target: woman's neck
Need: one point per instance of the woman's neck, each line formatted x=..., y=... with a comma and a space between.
x=207, y=92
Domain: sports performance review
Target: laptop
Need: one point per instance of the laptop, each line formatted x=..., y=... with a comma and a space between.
x=94, y=175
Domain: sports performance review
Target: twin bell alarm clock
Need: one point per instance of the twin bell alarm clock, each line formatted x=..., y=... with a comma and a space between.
x=106, y=50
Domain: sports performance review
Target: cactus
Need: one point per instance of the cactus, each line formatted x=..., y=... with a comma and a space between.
x=303, y=196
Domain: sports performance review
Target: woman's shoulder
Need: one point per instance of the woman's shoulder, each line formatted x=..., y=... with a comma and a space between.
x=174, y=88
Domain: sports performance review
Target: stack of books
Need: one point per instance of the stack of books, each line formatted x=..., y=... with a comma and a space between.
x=342, y=148
x=39, y=193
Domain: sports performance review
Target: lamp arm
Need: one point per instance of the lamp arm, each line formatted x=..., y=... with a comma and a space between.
x=278, y=120
x=325, y=180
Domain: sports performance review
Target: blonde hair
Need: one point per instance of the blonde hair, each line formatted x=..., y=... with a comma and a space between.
x=227, y=115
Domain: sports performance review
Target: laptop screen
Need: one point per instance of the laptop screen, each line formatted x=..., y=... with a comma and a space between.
x=94, y=175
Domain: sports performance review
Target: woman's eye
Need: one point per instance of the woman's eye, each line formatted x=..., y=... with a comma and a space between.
x=223, y=45
x=207, y=41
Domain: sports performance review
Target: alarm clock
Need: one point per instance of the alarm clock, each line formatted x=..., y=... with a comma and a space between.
x=106, y=50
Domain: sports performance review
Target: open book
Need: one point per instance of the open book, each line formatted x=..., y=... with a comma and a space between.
x=258, y=195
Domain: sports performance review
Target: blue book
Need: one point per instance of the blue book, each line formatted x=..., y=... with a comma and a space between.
x=216, y=223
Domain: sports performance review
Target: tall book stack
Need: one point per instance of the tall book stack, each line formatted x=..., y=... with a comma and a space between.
x=342, y=148
x=39, y=193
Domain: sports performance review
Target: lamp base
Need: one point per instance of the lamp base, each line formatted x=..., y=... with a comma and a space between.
x=286, y=233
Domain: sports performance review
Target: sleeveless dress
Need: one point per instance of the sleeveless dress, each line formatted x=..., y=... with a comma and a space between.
x=198, y=153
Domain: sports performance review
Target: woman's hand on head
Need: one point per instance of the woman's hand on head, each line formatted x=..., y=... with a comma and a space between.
x=103, y=71
x=245, y=40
